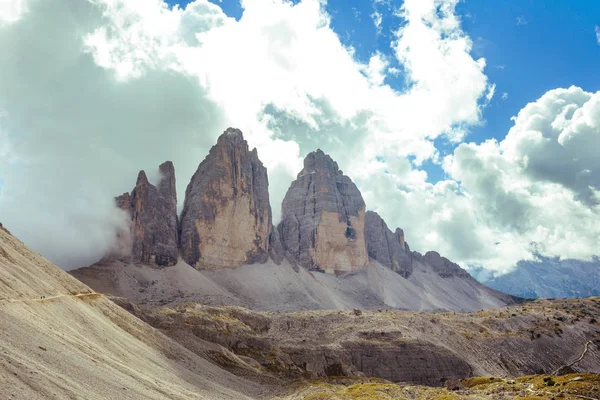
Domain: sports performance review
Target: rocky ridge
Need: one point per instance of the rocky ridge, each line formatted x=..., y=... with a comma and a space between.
x=226, y=218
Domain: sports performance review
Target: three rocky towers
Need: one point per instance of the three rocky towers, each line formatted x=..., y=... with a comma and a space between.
x=226, y=218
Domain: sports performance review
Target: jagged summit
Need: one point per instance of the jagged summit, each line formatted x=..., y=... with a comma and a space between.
x=323, y=216
x=226, y=218
x=152, y=235
x=232, y=133
x=319, y=160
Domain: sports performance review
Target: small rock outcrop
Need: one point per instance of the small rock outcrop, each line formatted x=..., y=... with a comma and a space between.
x=387, y=248
x=226, y=218
x=323, y=218
x=444, y=267
x=276, y=250
x=2, y=228
x=153, y=219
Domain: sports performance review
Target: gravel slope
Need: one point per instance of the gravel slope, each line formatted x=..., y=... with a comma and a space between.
x=271, y=287
x=78, y=344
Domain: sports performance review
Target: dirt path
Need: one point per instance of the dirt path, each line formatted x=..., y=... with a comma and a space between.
x=48, y=298
x=585, y=350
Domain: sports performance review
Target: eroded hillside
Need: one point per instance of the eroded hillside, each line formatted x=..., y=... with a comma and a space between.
x=543, y=336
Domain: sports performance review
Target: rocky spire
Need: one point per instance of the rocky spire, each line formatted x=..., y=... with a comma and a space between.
x=323, y=218
x=153, y=235
x=385, y=247
x=226, y=218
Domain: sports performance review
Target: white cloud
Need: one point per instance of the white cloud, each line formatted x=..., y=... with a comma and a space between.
x=376, y=69
x=78, y=136
x=140, y=83
x=521, y=20
x=597, y=30
x=112, y=86
x=490, y=93
x=539, y=184
x=504, y=96
x=11, y=10
x=377, y=20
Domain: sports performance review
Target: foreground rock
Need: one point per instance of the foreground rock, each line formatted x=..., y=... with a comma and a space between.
x=387, y=248
x=226, y=218
x=429, y=349
x=323, y=218
x=153, y=225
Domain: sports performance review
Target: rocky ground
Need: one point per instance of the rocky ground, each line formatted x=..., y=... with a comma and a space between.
x=539, y=337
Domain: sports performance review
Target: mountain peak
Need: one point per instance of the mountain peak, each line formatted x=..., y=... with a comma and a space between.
x=226, y=218
x=323, y=217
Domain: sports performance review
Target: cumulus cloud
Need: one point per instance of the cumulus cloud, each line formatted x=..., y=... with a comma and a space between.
x=539, y=186
x=597, y=30
x=93, y=91
x=115, y=86
x=76, y=132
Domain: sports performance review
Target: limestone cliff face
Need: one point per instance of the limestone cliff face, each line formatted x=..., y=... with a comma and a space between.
x=385, y=247
x=226, y=218
x=323, y=218
x=153, y=235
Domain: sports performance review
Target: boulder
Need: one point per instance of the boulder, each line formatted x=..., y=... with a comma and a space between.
x=323, y=218
x=226, y=218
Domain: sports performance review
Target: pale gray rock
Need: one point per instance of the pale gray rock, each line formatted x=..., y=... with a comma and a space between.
x=226, y=218
x=323, y=217
x=386, y=247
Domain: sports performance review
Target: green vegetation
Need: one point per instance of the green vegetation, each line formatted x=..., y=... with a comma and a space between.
x=567, y=387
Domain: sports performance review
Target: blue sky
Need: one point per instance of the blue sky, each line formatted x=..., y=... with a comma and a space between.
x=530, y=47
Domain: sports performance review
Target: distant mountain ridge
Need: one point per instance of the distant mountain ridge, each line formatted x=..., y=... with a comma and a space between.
x=547, y=277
